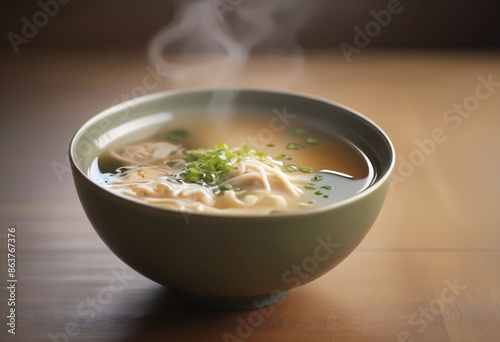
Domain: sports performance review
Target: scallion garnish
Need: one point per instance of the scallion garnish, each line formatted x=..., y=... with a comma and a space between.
x=213, y=166
x=306, y=170
x=289, y=168
x=226, y=187
x=293, y=146
x=300, y=131
x=177, y=134
x=310, y=186
x=260, y=156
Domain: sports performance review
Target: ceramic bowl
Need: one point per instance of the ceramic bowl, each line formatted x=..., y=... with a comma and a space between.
x=228, y=262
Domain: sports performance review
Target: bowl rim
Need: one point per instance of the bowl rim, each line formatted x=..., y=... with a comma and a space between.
x=154, y=96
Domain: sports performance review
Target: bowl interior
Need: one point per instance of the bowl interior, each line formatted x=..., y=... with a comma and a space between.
x=161, y=108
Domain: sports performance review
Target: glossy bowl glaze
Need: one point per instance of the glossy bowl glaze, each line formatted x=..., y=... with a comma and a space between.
x=229, y=262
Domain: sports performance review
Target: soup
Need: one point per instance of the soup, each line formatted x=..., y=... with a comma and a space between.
x=251, y=164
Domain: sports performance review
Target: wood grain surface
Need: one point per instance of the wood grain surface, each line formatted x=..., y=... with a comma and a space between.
x=427, y=271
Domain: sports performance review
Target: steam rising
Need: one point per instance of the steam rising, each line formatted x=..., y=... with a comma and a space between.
x=210, y=41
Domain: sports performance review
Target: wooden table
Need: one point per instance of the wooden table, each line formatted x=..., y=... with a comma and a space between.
x=429, y=270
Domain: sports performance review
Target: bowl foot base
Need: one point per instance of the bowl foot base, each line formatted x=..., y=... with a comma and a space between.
x=227, y=304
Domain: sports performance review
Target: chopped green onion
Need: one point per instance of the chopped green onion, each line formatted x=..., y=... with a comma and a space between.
x=212, y=166
x=177, y=134
x=310, y=186
x=327, y=187
x=326, y=196
x=317, y=178
x=281, y=156
x=260, y=156
x=290, y=168
x=226, y=187
x=293, y=146
x=270, y=145
x=319, y=193
x=221, y=147
x=244, y=151
x=300, y=131
x=312, y=140
x=311, y=202
x=306, y=170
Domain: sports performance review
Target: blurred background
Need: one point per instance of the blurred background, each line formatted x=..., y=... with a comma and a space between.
x=130, y=24
x=402, y=63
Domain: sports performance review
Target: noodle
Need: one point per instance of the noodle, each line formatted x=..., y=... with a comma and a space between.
x=304, y=166
x=257, y=183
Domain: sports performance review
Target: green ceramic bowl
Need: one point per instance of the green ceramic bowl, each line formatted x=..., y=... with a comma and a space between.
x=229, y=262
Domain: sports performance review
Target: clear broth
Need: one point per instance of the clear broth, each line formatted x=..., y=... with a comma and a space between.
x=338, y=162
